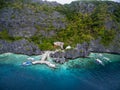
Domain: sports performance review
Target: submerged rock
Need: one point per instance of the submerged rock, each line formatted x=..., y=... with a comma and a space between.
x=59, y=60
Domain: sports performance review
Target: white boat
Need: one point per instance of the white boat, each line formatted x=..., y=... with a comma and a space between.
x=100, y=55
x=99, y=61
x=30, y=58
x=106, y=58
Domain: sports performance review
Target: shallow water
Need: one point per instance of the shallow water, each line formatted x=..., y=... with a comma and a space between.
x=79, y=74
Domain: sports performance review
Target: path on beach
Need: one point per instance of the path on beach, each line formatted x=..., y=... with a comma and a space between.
x=45, y=56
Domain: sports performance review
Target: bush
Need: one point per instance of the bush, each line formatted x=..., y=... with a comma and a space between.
x=46, y=46
x=5, y=36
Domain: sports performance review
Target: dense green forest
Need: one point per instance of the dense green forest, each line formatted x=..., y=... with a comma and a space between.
x=82, y=26
x=87, y=26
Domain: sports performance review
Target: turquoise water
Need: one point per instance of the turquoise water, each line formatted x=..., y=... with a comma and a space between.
x=79, y=74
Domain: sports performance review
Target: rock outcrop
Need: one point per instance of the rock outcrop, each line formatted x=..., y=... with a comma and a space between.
x=20, y=47
x=81, y=50
x=113, y=47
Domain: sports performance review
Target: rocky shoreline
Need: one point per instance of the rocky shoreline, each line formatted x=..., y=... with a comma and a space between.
x=32, y=23
x=19, y=47
x=81, y=50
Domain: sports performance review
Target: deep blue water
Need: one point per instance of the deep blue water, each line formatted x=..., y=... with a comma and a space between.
x=79, y=74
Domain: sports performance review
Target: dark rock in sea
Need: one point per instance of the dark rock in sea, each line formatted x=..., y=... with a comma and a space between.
x=72, y=53
x=20, y=47
x=58, y=57
x=81, y=50
x=58, y=54
x=59, y=60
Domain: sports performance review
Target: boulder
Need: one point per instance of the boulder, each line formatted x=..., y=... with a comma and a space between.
x=59, y=60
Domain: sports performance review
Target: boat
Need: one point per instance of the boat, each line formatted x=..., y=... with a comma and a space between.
x=27, y=63
x=99, y=61
x=32, y=59
x=105, y=58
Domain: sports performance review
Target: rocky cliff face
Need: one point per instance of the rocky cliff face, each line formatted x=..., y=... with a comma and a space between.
x=110, y=22
x=25, y=19
x=113, y=47
x=36, y=20
x=26, y=22
x=19, y=47
x=81, y=50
